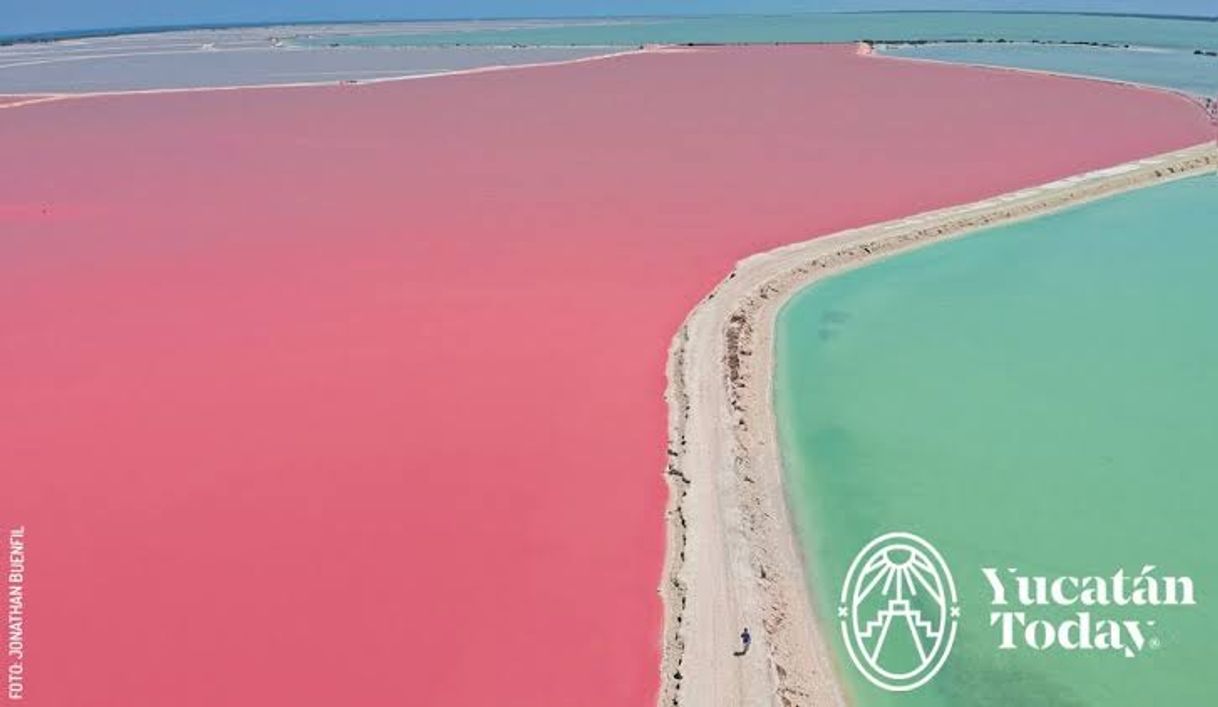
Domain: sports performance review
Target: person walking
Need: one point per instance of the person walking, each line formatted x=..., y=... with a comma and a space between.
x=746, y=640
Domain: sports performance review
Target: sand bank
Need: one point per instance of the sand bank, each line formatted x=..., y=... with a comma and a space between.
x=16, y=101
x=734, y=559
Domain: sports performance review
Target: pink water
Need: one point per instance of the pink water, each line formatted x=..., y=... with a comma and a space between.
x=353, y=395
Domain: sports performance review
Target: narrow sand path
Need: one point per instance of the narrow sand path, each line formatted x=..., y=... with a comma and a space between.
x=733, y=558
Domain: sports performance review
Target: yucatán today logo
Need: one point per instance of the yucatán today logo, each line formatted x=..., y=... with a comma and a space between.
x=899, y=611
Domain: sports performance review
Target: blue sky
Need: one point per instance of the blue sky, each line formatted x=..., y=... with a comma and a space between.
x=26, y=16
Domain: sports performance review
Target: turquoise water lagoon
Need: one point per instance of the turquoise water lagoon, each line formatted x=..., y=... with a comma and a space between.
x=1182, y=70
x=1040, y=396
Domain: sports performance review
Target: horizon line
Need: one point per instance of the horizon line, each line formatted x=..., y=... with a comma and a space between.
x=121, y=30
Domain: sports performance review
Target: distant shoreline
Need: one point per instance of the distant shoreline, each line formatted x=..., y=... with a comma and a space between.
x=297, y=46
x=45, y=36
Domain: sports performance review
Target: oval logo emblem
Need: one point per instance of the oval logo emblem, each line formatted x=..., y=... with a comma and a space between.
x=898, y=611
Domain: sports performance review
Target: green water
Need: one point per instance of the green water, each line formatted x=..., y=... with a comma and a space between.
x=1173, y=68
x=820, y=27
x=1042, y=395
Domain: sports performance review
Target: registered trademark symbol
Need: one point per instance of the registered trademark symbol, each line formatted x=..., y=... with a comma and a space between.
x=1154, y=643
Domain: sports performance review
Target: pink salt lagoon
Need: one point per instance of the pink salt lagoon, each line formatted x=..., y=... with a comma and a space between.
x=353, y=394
